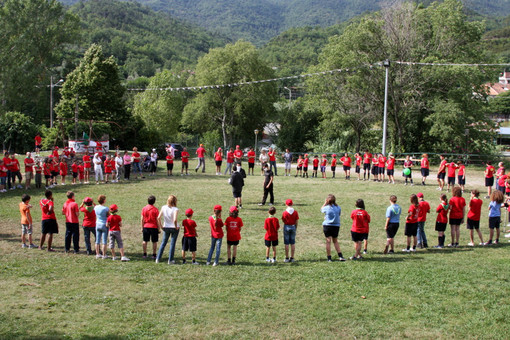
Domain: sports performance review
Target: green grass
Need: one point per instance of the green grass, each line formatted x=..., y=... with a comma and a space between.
x=433, y=293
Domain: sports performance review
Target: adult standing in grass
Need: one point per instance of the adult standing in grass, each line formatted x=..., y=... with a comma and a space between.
x=331, y=225
x=29, y=170
x=218, y=159
x=102, y=214
x=71, y=212
x=127, y=165
x=216, y=225
x=268, y=185
x=457, y=213
x=238, y=154
x=201, y=158
x=272, y=160
x=170, y=228
x=98, y=170
x=392, y=224
x=422, y=218
x=287, y=157
x=150, y=226
x=49, y=220
x=251, y=161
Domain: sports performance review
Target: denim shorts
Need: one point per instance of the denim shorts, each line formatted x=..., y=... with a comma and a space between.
x=101, y=235
x=289, y=234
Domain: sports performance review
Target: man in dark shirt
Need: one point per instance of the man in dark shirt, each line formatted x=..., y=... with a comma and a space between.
x=237, y=183
x=268, y=185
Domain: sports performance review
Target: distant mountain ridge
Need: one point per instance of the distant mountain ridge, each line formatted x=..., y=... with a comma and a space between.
x=260, y=20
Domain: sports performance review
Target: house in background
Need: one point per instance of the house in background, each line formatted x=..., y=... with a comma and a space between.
x=503, y=85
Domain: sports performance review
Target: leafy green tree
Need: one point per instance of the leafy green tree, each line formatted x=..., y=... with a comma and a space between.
x=33, y=34
x=95, y=85
x=17, y=132
x=500, y=104
x=234, y=110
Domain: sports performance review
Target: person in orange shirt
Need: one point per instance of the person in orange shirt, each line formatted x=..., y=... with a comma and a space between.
x=489, y=178
x=26, y=221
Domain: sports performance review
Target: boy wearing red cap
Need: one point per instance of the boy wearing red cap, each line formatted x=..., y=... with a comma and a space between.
x=185, y=161
x=216, y=225
x=233, y=225
x=306, y=160
x=114, y=223
x=271, y=225
x=189, y=239
x=49, y=220
x=290, y=219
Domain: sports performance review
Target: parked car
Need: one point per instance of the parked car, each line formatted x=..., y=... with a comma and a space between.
x=161, y=149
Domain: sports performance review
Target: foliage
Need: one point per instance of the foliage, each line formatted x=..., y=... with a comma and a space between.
x=17, y=132
x=33, y=34
x=234, y=110
x=500, y=104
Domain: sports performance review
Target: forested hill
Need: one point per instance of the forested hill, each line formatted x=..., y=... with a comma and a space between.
x=141, y=39
x=260, y=20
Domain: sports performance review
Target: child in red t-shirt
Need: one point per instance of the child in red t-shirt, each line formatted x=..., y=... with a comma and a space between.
x=3, y=176
x=299, y=166
x=189, y=239
x=74, y=169
x=315, y=163
x=38, y=173
x=412, y=224
x=63, y=171
x=360, y=228
x=306, y=160
x=169, y=164
x=333, y=165
x=185, y=161
x=108, y=168
x=271, y=225
x=81, y=172
x=324, y=164
x=216, y=225
x=461, y=175
x=441, y=220
x=114, y=223
x=233, y=225
x=473, y=217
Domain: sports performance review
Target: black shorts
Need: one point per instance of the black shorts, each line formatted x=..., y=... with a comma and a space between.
x=411, y=229
x=184, y=165
x=392, y=230
x=473, y=224
x=315, y=168
x=494, y=222
x=305, y=168
x=38, y=146
x=451, y=180
x=347, y=168
x=461, y=179
x=440, y=226
x=233, y=243
x=455, y=221
x=251, y=165
x=169, y=166
x=75, y=175
x=381, y=170
x=330, y=230
x=49, y=227
x=366, y=166
x=55, y=174
x=218, y=163
x=333, y=168
x=358, y=237
x=237, y=194
x=441, y=175
x=358, y=170
x=150, y=234
x=189, y=244
x=390, y=172
x=489, y=181
x=425, y=172
x=299, y=168
x=47, y=176
x=375, y=170
x=271, y=243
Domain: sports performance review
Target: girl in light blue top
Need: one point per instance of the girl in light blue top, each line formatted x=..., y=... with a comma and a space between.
x=331, y=225
x=392, y=224
x=102, y=213
x=497, y=199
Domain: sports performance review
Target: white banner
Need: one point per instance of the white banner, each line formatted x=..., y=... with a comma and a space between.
x=81, y=146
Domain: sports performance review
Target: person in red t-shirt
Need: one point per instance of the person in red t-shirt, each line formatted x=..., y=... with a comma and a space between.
x=81, y=172
x=230, y=161
x=306, y=160
x=271, y=225
x=452, y=169
x=381, y=166
x=412, y=223
x=324, y=164
x=63, y=170
x=55, y=170
x=461, y=175
x=251, y=161
x=150, y=226
x=315, y=163
x=233, y=225
x=360, y=228
x=441, y=172
x=136, y=163
x=499, y=172
x=473, y=217
x=89, y=221
x=189, y=239
x=201, y=158
x=238, y=154
x=74, y=170
x=290, y=219
x=38, y=173
x=367, y=162
x=114, y=223
x=489, y=178
x=422, y=218
x=375, y=167
x=169, y=163
x=15, y=171
x=3, y=176
x=424, y=167
x=272, y=160
x=216, y=224
x=29, y=170
x=346, y=161
x=7, y=164
x=218, y=159
x=390, y=168
x=49, y=220
x=299, y=166
x=457, y=213
x=38, y=143
x=108, y=168
x=185, y=161
x=72, y=212
x=87, y=165
x=441, y=220
x=358, y=160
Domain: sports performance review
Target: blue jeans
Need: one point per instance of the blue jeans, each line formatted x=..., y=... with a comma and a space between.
x=101, y=235
x=421, y=233
x=215, y=243
x=271, y=165
x=168, y=233
x=137, y=168
x=72, y=233
x=86, y=234
x=289, y=234
x=228, y=168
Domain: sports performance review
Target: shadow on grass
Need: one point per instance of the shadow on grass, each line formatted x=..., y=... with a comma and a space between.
x=10, y=238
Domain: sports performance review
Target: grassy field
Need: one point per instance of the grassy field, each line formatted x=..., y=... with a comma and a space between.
x=446, y=293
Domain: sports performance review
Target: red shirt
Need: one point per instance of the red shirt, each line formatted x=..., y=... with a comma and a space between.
x=382, y=162
x=366, y=158
x=169, y=159
x=475, y=209
x=189, y=228
x=185, y=156
x=272, y=156
x=81, y=169
x=114, y=222
x=230, y=157
x=271, y=225
x=86, y=162
x=425, y=163
x=55, y=153
x=216, y=227
x=442, y=166
x=233, y=226
x=38, y=140
x=238, y=153
x=251, y=156
x=108, y=166
x=63, y=168
x=89, y=217
x=413, y=217
x=442, y=213
x=200, y=152
x=358, y=160
x=346, y=161
x=360, y=220
x=375, y=161
x=74, y=167
x=47, y=169
x=305, y=162
x=424, y=209
x=501, y=180
x=3, y=171
x=217, y=156
x=333, y=163
x=29, y=164
x=499, y=171
x=489, y=171
x=452, y=168
x=315, y=162
x=48, y=209
x=324, y=162
x=37, y=168
x=391, y=163
x=70, y=209
x=462, y=170
x=457, y=205
x=136, y=157
x=290, y=219
x=150, y=216
x=14, y=165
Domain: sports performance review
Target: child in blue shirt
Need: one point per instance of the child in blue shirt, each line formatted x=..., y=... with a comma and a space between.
x=392, y=223
x=497, y=199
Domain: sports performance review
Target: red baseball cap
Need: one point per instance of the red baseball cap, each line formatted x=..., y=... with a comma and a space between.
x=289, y=202
x=324, y=155
x=233, y=209
x=333, y=155
x=188, y=211
x=87, y=200
x=420, y=195
x=114, y=207
x=217, y=207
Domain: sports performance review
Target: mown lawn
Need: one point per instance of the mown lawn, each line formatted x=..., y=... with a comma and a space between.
x=460, y=293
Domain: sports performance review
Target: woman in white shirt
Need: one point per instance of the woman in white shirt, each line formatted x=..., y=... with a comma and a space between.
x=264, y=158
x=169, y=213
x=98, y=170
x=119, y=166
x=154, y=162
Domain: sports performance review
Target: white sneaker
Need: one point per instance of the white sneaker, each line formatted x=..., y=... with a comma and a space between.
x=273, y=261
x=406, y=250
x=471, y=244
x=98, y=256
x=215, y=264
x=105, y=257
x=114, y=259
x=268, y=260
x=412, y=250
x=286, y=261
x=124, y=259
x=195, y=263
x=208, y=263
x=20, y=187
x=507, y=235
x=171, y=262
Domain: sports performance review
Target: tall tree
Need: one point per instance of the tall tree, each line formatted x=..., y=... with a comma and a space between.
x=234, y=110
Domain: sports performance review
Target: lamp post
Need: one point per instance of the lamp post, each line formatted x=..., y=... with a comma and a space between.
x=386, y=65
x=290, y=95
x=256, y=131
x=51, y=97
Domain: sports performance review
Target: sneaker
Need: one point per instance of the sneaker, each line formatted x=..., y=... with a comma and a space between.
x=364, y=252
x=292, y=260
x=270, y=204
x=105, y=257
x=406, y=250
x=286, y=260
x=353, y=258
x=98, y=256
x=497, y=241
x=488, y=243
x=114, y=258
x=471, y=244
x=23, y=245
x=413, y=250
x=208, y=263
x=481, y=244
x=20, y=187
x=438, y=247
x=268, y=260
x=171, y=262
x=157, y=261
x=261, y=204
x=391, y=252
x=215, y=264
x=51, y=250
x=329, y=260
x=341, y=259
x=451, y=245
x=195, y=263
x=273, y=261
x=32, y=246
x=124, y=259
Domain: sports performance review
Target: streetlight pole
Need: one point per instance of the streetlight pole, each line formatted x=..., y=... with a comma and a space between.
x=51, y=98
x=386, y=65
x=256, y=135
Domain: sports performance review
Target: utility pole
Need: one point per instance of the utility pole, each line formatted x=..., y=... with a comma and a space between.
x=386, y=65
